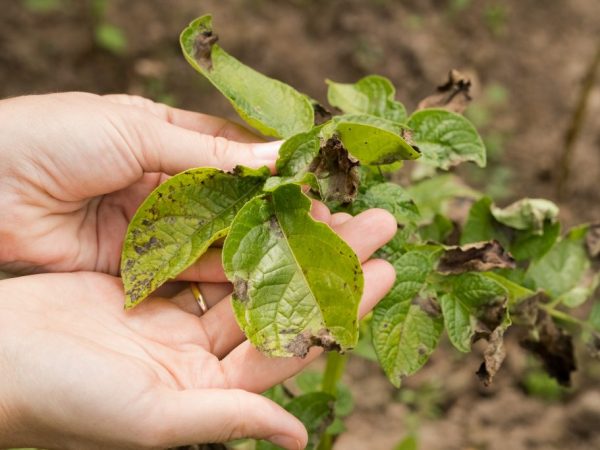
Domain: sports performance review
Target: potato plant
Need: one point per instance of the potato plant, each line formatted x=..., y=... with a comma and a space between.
x=464, y=265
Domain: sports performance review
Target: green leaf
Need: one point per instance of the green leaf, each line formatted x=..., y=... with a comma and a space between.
x=296, y=283
x=309, y=381
x=270, y=106
x=580, y=294
x=314, y=410
x=468, y=294
x=527, y=214
x=372, y=95
x=179, y=221
x=438, y=230
x=433, y=195
x=446, y=138
x=405, y=331
x=390, y=197
x=516, y=292
x=563, y=267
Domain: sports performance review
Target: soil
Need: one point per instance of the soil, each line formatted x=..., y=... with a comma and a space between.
x=534, y=55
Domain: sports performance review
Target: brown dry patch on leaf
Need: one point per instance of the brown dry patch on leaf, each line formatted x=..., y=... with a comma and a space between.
x=554, y=346
x=526, y=312
x=240, y=290
x=302, y=343
x=452, y=95
x=592, y=240
x=493, y=356
x=203, y=47
x=480, y=257
x=428, y=305
x=337, y=171
x=593, y=345
x=322, y=114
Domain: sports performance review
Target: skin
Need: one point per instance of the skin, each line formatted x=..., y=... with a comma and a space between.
x=80, y=372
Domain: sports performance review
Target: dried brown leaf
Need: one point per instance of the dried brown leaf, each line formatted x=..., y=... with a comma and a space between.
x=480, y=257
x=452, y=95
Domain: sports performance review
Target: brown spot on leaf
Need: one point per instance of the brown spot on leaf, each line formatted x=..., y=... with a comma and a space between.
x=453, y=95
x=149, y=245
x=274, y=226
x=301, y=344
x=240, y=290
x=322, y=114
x=429, y=305
x=203, y=47
x=407, y=135
x=592, y=240
x=481, y=257
x=337, y=171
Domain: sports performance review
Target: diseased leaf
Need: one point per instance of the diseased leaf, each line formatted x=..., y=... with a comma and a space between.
x=469, y=297
x=406, y=329
x=493, y=355
x=446, y=139
x=479, y=257
x=391, y=197
x=296, y=283
x=527, y=214
x=178, y=222
x=453, y=95
x=554, y=347
x=562, y=268
x=372, y=140
x=270, y=106
x=372, y=95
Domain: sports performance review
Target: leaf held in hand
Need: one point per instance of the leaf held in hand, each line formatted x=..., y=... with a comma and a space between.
x=178, y=222
x=270, y=106
x=296, y=283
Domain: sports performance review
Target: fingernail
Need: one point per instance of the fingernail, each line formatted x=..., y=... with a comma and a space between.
x=268, y=150
x=286, y=442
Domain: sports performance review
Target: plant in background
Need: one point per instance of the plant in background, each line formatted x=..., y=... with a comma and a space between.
x=463, y=264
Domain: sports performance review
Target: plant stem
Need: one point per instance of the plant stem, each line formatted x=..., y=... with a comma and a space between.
x=336, y=363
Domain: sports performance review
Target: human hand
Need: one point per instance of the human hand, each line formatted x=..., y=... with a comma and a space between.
x=79, y=372
x=74, y=168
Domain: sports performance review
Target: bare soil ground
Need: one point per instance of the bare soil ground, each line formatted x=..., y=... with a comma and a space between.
x=527, y=59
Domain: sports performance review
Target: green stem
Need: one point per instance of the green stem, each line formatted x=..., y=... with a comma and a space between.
x=336, y=364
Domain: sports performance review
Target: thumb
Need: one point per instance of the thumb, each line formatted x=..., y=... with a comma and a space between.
x=221, y=415
x=160, y=146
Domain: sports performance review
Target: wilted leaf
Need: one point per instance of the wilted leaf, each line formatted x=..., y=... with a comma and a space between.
x=296, y=283
x=372, y=95
x=554, y=346
x=270, y=106
x=468, y=299
x=178, y=222
x=452, y=95
x=479, y=257
x=527, y=214
x=493, y=356
x=446, y=138
x=406, y=329
x=391, y=197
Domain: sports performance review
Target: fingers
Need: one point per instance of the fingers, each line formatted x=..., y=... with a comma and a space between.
x=246, y=368
x=208, y=268
x=339, y=218
x=221, y=415
x=212, y=293
x=159, y=146
x=202, y=123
